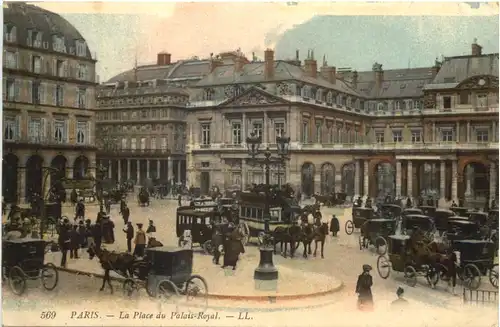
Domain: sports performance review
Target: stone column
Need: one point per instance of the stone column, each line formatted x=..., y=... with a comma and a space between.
x=398, y=178
x=21, y=184
x=366, y=188
x=158, y=168
x=128, y=169
x=244, y=173
x=109, y=168
x=457, y=128
x=467, y=180
x=138, y=171
x=442, y=183
x=119, y=170
x=244, y=133
x=493, y=182
x=433, y=132
x=468, y=132
x=454, y=180
x=147, y=168
x=409, y=180
x=265, y=137
x=495, y=131
x=179, y=171
x=357, y=179
x=170, y=168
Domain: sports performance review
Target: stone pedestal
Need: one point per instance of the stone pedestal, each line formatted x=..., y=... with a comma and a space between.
x=266, y=270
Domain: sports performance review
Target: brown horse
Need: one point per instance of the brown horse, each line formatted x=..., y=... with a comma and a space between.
x=306, y=237
x=320, y=233
x=121, y=263
x=287, y=235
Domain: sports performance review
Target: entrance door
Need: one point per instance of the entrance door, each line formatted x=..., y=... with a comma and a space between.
x=205, y=182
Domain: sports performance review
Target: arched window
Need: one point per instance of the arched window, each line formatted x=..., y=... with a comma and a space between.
x=380, y=107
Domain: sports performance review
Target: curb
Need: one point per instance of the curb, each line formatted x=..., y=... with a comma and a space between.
x=257, y=298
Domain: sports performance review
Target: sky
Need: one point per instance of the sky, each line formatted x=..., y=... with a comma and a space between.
x=348, y=34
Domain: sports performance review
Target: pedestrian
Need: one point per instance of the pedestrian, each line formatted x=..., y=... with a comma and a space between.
x=179, y=200
x=80, y=210
x=88, y=233
x=400, y=301
x=129, y=231
x=82, y=235
x=151, y=228
x=125, y=213
x=217, y=242
x=107, y=203
x=334, y=225
x=97, y=234
x=363, y=289
x=64, y=241
x=74, y=242
x=140, y=241
x=452, y=264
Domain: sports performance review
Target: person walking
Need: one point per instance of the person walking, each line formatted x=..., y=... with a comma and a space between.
x=64, y=241
x=452, y=271
x=334, y=225
x=363, y=289
x=80, y=210
x=74, y=242
x=97, y=233
x=140, y=241
x=125, y=213
x=129, y=231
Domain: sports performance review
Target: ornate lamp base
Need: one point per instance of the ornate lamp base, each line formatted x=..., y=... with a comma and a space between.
x=266, y=269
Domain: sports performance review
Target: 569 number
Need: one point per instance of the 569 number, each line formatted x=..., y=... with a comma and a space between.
x=48, y=315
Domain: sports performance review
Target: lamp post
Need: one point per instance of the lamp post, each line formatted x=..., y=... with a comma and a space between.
x=101, y=171
x=266, y=269
x=43, y=197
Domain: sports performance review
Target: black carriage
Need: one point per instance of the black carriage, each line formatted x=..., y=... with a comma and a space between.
x=428, y=210
x=441, y=217
x=143, y=197
x=166, y=272
x=375, y=232
x=460, y=211
x=461, y=228
x=24, y=259
x=196, y=227
x=424, y=223
x=480, y=218
x=476, y=260
x=390, y=210
x=493, y=218
x=331, y=199
x=401, y=259
x=359, y=217
x=412, y=211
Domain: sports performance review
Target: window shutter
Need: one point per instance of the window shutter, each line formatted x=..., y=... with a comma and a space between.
x=30, y=65
x=18, y=128
x=43, y=130
x=54, y=67
x=17, y=90
x=62, y=96
x=30, y=91
x=4, y=88
x=66, y=69
x=54, y=94
x=13, y=33
x=88, y=138
x=77, y=98
x=17, y=60
x=65, y=134
x=42, y=66
x=86, y=99
x=43, y=95
x=4, y=58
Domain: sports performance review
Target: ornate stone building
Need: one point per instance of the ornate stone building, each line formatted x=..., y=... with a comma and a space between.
x=141, y=122
x=403, y=131
x=48, y=101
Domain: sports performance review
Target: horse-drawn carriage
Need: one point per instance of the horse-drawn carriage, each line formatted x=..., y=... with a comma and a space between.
x=331, y=200
x=376, y=232
x=493, y=218
x=359, y=216
x=428, y=210
x=143, y=197
x=460, y=211
x=412, y=211
x=441, y=217
x=461, y=228
x=166, y=272
x=22, y=260
x=422, y=222
x=203, y=204
x=390, y=210
x=479, y=217
x=476, y=259
x=402, y=258
x=196, y=227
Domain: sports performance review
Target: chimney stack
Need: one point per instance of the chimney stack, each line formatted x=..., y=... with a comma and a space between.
x=238, y=64
x=355, y=79
x=328, y=73
x=310, y=65
x=215, y=62
x=476, y=48
x=378, y=75
x=436, y=67
x=269, y=64
x=163, y=59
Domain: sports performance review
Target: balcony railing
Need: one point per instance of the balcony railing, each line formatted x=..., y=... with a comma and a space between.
x=47, y=141
x=388, y=146
x=135, y=151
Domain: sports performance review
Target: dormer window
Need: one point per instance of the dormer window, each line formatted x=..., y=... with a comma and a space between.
x=9, y=33
x=34, y=38
x=81, y=48
x=58, y=43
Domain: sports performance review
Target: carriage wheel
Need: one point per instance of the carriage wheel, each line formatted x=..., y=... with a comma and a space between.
x=129, y=286
x=432, y=275
x=243, y=227
x=196, y=289
x=208, y=247
x=260, y=237
x=17, y=280
x=349, y=227
x=410, y=276
x=381, y=245
x=383, y=267
x=471, y=276
x=167, y=291
x=493, y=275
x=49, y=276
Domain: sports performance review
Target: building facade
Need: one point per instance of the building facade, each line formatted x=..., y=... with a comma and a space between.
x=403, y=132
x=141, y=119
x=48, y=101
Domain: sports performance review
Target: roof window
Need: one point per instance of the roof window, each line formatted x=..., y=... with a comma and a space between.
x=449, y=79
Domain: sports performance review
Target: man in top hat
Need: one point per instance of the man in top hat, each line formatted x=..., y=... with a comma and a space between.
x=334, y=225
x=129, y=231
x=80, y=210
x=64, y=240
x=125, y=211
x=364, y=289
x=140, y=241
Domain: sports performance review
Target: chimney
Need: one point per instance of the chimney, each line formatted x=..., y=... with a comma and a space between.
x=328, y=73
x=163, y=59
x=215, y=62
x=355, y=79
x=378, y=73
x=476, y=48
x=310, y=65
x=238, y=64
x=269, y=64
x=435, y=69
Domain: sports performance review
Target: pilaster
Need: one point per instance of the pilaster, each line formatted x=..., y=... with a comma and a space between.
x=398, y=178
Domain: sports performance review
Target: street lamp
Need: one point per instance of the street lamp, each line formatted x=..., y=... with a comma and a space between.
x=42, y=198
x=101, y=171
x=266, y=269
